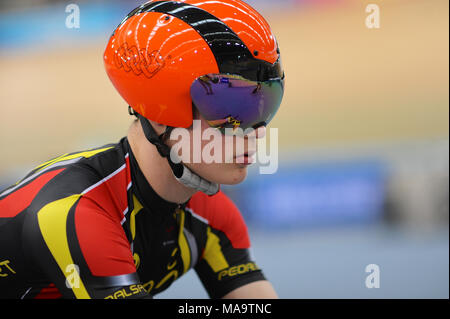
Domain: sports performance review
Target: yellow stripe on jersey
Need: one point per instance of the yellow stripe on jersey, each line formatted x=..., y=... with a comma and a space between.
x=137, y=206
x=54, y=160
x=213, y=252
x=184, y=246
x=52, y=219
x=65, y=157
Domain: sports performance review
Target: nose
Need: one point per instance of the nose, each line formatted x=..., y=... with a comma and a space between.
x=261, y=132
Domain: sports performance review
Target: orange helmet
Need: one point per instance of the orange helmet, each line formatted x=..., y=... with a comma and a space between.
x=165, y=52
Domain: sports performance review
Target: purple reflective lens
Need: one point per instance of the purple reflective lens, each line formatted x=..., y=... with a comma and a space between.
x=232, y=101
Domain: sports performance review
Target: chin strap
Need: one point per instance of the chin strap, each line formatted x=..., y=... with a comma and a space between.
x=182, y=174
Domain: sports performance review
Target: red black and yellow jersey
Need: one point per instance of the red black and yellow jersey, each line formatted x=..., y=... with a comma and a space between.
x=89, y=225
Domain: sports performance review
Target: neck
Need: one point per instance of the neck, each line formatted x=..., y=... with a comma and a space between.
x=156, y=169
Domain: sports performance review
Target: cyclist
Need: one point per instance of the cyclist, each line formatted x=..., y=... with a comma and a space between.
x=125, y=220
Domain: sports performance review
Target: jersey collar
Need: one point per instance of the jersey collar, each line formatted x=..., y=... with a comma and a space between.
x=142, y=189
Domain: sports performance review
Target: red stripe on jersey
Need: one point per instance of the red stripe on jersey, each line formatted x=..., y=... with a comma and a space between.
x=98, y=217
x=102, y=240
x=50, y=292
x=21, y=198
x=222, y=215
x=111, y=195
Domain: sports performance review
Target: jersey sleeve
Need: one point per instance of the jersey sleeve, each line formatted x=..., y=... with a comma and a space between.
x=82, y=250
x=225, y=263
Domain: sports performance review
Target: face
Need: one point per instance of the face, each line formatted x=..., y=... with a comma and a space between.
x=218, y=158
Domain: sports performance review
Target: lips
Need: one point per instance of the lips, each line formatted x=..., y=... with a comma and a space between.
x=250, y=153
x=247, y=158
x=247, y=154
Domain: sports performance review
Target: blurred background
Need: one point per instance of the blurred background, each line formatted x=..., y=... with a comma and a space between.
x=363, y=172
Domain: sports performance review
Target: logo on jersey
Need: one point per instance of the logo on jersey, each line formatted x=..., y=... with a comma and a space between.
x=6, y=269
x=137, y=260
x=237, y=270
x=127, y=292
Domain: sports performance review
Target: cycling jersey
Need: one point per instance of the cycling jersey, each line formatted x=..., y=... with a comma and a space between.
x=89, y=225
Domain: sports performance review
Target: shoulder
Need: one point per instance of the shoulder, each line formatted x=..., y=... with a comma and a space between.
x=79, y=173
x=221, y=213
x=98, y=178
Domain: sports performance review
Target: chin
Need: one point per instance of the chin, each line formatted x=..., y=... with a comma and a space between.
x=224, y=174
x=234, y=176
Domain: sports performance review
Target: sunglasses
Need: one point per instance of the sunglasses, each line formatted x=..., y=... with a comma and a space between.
x=232, y=101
